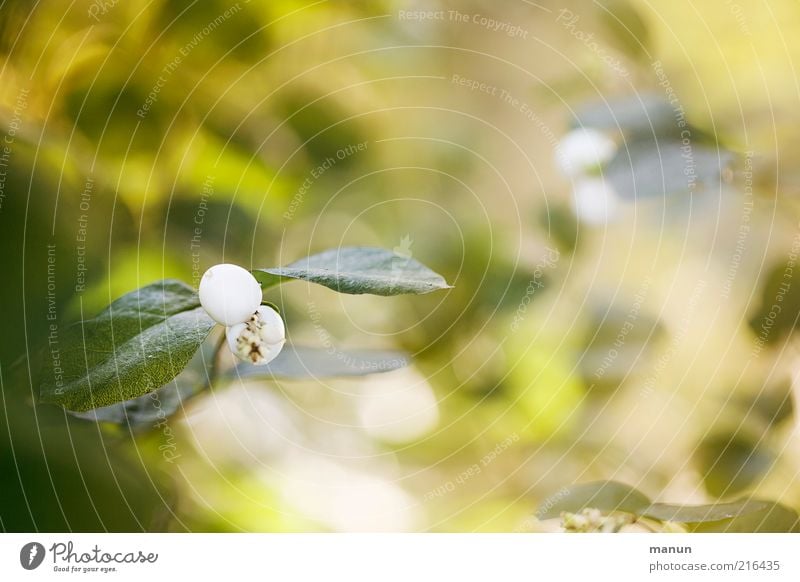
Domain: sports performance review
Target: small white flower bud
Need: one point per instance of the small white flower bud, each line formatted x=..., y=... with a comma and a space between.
x=583, y=150
x=592, y=520
x=260, y=339
x=229, y=294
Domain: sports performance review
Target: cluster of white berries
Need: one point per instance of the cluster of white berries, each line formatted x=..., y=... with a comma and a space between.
x=592, y=520
x=581, y=154
x=232, y=297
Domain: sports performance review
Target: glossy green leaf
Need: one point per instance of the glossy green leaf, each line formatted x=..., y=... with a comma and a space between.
x=358, y=270
x=603, y=495
x=138, y=344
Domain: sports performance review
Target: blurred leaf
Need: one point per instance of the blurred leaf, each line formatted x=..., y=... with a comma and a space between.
x=640, y=114
x=610, y=319
x=663, y=167
x=58, y=476
x=26, y=236
x=562, y=226
x=322, y=125
x=358, y=270
x=627, y=28
x=139, y=343
x=779, y=311
x=225, y=226
x=301, y=363
x=12, y=20
x=618, y=338
x=220, y=169
x=765, y=517
x=606, y=496
x=762, y=407
x=775, y=405
x=238, y=29
x=703, y=513
x=104, y=110
x=731, y=463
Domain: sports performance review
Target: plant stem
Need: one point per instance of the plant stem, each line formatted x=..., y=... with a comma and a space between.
x=216, y=363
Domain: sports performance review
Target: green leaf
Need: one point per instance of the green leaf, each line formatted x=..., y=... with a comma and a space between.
x=732, y=463
x=652, y=168
x=767, y=325
x=703, y=513
x=757, y=517
x=626, y=27
x=149, y=410
x=606, y=496
x=641, y=114
x=302, y=363
x=359, y=270
x=138, y=344
x=747, y=515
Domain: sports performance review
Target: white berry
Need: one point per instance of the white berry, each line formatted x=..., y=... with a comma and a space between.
x=229, y=294
x=583, y=150
x=260, y=339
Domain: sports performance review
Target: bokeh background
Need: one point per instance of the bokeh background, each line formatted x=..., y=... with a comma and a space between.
x=640, y=343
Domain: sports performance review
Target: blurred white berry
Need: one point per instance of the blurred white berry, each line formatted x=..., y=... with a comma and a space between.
x=260, y=339
x=229, y=294
x=583, y=150
x=595, y=200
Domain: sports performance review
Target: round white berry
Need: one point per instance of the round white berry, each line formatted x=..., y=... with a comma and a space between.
x=583, y=150
x=229, y=294
x=260, y=339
